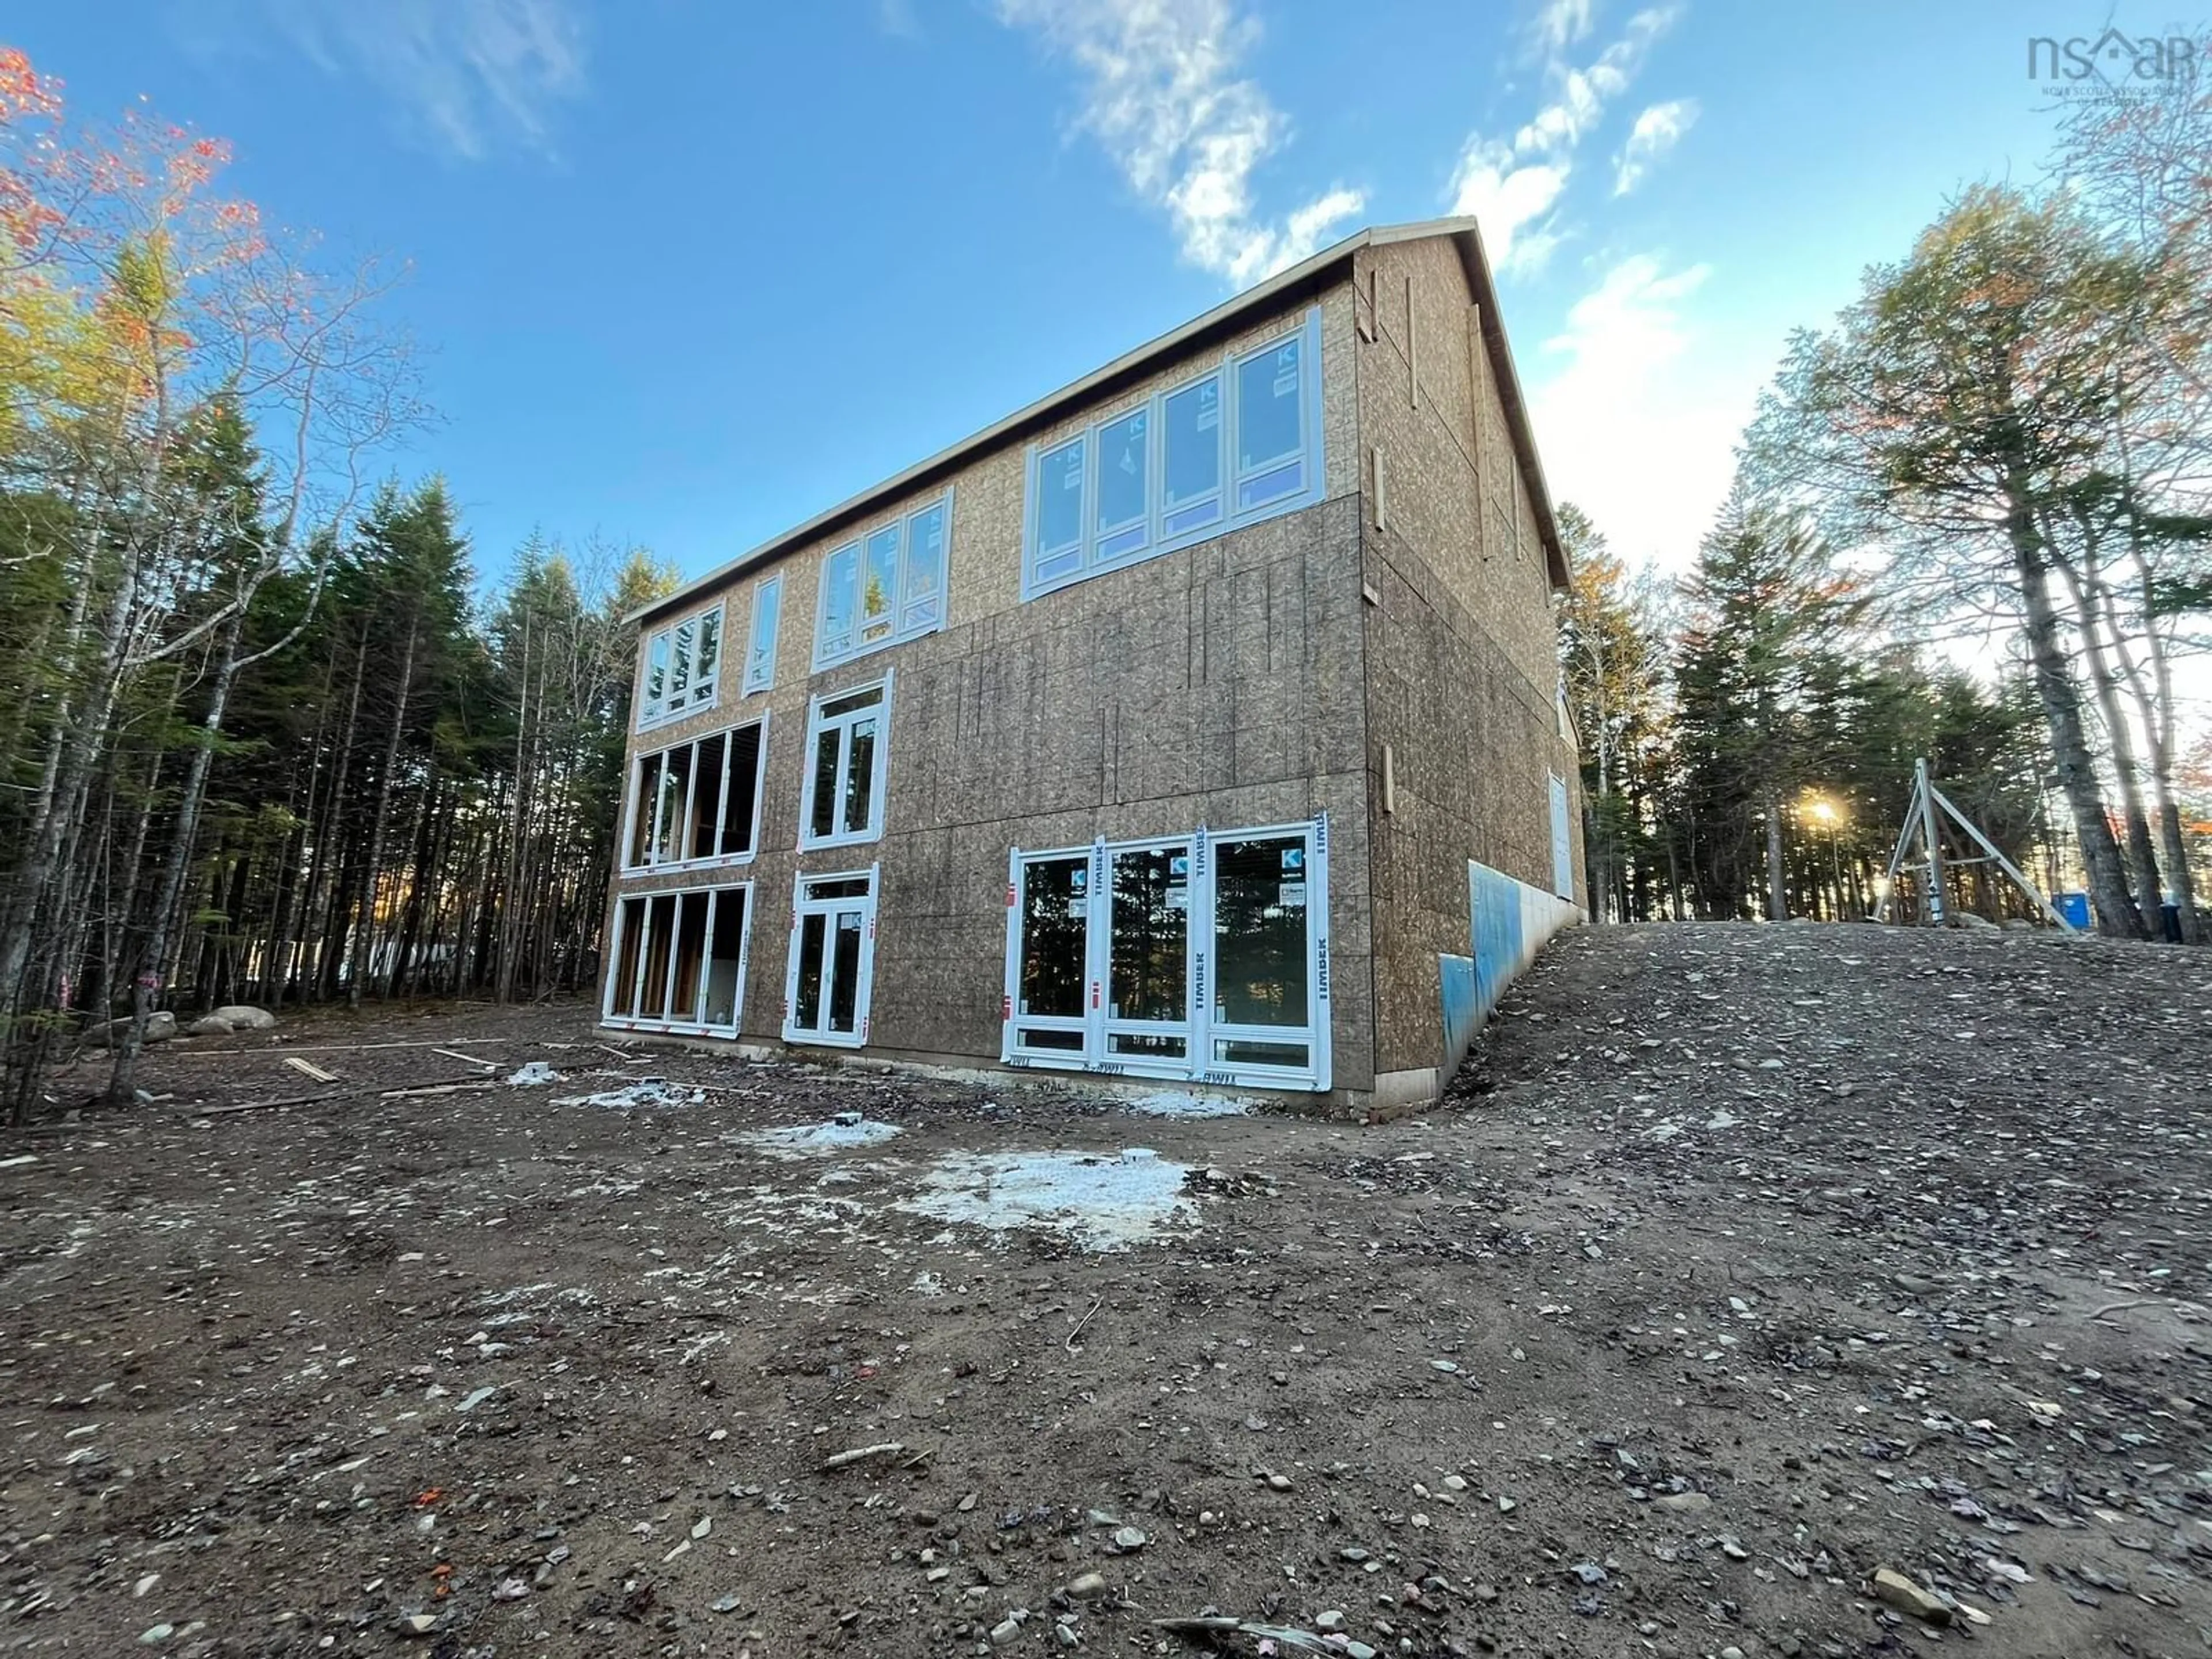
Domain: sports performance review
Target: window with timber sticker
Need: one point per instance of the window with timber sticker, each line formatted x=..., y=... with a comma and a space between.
x=843, y=788
x=682, y=665
x=679, y=960
x=833, y=957
x=1231, y=447
x=697, y=803
x=886, y=587
x=1201, y=957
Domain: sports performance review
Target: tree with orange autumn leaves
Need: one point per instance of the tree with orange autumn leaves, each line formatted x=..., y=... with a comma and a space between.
x=143, y=312
x=268, y=746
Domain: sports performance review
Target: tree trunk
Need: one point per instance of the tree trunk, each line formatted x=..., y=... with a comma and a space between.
x=123, y=1077
x=2154, y=694
x=2062, y=711
x=2143, y=856
x=362, y=955
x=1777, y=885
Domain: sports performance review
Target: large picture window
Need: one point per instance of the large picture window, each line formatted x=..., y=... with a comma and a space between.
x=683, y=668
x=846, y=752
x=833, y=959
x=679, y=960
x=1236, y=444
x=886, y=587
x=697, y=803
x=1200, y=958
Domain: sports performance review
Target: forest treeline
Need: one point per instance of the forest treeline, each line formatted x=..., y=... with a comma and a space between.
x=1971, y=524
x=267, y=744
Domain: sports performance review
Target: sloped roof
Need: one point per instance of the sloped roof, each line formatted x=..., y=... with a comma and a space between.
x=1311, y=274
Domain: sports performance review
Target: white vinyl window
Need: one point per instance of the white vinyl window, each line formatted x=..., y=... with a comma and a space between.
x=886, y=587
x=1237, y=444
x=698, y=804
x=833, y=959
x=760, y=649
x=1202, y=957
x=1563, y=840
x=847, y=749
x=678, y=960
x=682, y=663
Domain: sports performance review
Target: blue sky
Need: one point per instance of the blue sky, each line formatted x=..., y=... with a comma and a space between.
x=686, y=275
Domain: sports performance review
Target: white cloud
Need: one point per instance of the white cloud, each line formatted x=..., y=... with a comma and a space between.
x=1505, y=199
x=1514, y=188
x=897, y=17
x=472, y=72
x=1636, y=418
x=1558, y=24
x=1657, y=130
x=1162, y=96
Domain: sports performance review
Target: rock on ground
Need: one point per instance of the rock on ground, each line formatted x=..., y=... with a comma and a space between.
x=161, y=1026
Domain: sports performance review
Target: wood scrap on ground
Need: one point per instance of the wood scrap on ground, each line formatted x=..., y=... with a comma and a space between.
x=861, y=1454
x=171, y=1051
x=308, y=1068
x=316, y=1099
x=471, y=1059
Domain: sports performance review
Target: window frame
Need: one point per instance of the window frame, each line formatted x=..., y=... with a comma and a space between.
x=1559, y=813
x=901, y=600
x=1229, y=476
x=634, y=801
x=864, y=991
x=697, y=697
x=617, y=937
x=760, y=660
x=879, y=782
x=1203, y=1027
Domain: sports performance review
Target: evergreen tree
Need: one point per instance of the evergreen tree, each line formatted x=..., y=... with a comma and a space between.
x=1770, y=612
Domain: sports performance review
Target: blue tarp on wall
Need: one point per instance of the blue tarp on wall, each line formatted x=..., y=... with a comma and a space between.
x=1508, y=921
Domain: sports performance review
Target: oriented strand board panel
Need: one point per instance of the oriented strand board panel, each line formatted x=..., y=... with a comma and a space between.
x=1461, y=651
x=1216, y=686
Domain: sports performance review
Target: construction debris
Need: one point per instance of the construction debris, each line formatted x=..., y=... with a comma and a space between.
x=1211, y=1631
x=861, y=1454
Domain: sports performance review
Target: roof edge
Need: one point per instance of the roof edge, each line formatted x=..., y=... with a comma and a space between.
x=1464, y=233
x=1467, y=237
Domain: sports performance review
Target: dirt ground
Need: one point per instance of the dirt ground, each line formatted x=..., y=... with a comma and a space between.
x=1744, y=1264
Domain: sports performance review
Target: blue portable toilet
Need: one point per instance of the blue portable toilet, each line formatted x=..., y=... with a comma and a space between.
x=2075, y=907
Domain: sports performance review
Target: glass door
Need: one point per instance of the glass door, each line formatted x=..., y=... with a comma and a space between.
x=1202, y=958
x=1263, y=953
x=1146, y=1016
x=833, y=940
x=1051, y=901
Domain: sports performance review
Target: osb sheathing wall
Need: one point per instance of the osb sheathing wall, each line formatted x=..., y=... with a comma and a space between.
x=1218, y=685
x=1461, y=675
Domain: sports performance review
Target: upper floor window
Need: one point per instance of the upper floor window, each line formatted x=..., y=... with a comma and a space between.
x=760, y=651
x=698, y=802
x=845, y=756
x=682, y=668
x=1236, y=444
x=886, y=587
